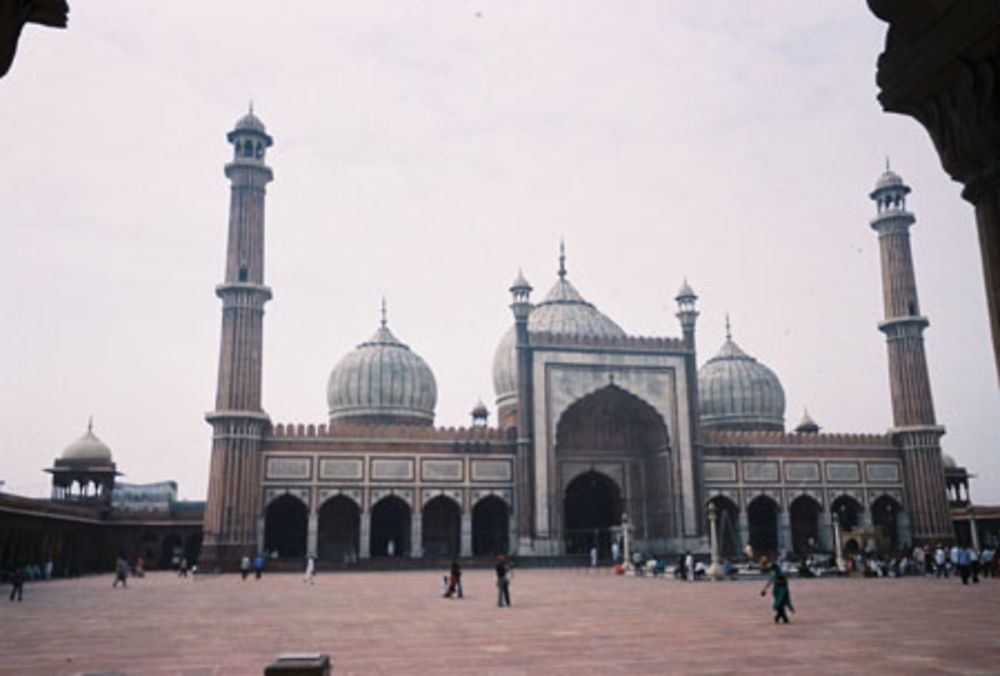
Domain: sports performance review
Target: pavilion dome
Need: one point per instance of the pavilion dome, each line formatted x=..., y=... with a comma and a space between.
x=948, y=461
x=563, y=311
x=250, y=122
x=382, y=382
x=737, y=392
x=88, y=448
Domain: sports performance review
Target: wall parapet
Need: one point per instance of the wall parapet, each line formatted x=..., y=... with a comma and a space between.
x=409, y=432
x=775, y=438
x=642, y=343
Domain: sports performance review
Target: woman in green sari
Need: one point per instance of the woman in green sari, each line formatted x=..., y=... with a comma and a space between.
x=778, y=582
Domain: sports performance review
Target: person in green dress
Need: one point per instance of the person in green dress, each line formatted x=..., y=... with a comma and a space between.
x=778, y=582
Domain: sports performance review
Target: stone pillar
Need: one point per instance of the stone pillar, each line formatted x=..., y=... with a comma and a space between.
x=416, y=536
x=903, y=530
x=365, y=535
x=465, y=547
x=784, y=532
x=744, y=526
x=260, y=535
x=825, y=530
x=312, y=534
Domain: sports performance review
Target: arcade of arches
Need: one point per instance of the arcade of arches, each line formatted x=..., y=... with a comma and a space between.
x=613, y=428
x=341, y=528
x=806, y=528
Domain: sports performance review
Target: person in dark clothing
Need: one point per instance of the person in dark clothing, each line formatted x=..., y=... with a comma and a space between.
x=258, y=566
x=121, y=572
x=503, y=581
x=17, y=584
x=455, y=581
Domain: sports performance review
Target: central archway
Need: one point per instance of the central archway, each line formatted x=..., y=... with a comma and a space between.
x=593, y=504
x=285, y=524
x=803, y=516
x=613, y=425
x=390, y=523
x=338, y=529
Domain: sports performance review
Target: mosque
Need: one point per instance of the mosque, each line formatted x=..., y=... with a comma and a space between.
x=594, y=428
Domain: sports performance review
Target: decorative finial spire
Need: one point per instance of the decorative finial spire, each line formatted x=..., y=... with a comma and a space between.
x=887, y=163
x=251, y=106
x=384, y=320
x=729, y=333
x=562, y=258
x=90, y=424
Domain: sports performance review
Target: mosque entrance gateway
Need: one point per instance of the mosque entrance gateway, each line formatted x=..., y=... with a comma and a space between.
x=337, y=536
x=593, y=505
x=762, y=515
x=490, y=527
x=442, y=527
x=390, y=523
x=285, y=524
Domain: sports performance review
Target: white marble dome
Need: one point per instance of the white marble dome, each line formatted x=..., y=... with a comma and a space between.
x=737, y=392
x=88, y=448
x=382, y=382
x=563, y=311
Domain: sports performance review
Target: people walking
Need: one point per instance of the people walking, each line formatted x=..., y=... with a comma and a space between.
x=310, y=570
x=974, y=564
x=121, y=572
x=504, y=574
x=390, y=547
x=963, y=560
x=778, y=582
x=17, y=584
x=454, y=580
x=258, y=566
x=689, y=566
x=593, y=556
x=182, y=570
x=244, y=567
x=940, y=565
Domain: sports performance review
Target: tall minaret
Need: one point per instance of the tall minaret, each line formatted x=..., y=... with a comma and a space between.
x=239, y=422
x=914, y=428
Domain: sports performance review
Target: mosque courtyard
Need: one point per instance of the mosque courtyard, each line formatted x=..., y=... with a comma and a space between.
x=562, y=621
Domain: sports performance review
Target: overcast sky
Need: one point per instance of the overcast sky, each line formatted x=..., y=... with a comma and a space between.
x=425, y=151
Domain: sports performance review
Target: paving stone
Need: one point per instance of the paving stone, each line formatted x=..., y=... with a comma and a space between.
x=562, y=622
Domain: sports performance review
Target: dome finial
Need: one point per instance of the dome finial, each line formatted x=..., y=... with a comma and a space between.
x=729, y=332
x=385, y=321
x=250, y=107
x=562, y=258
x=887, y=163
x=90, y=424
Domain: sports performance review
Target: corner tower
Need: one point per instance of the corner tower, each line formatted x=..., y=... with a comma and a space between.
x=914, y=428
x=238, y=421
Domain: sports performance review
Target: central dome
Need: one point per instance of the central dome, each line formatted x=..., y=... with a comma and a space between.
x=382, y=382
x=563, y=311
x=737, y=392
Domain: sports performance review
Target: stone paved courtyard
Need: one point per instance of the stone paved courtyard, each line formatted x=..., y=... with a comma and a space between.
x=562, y=621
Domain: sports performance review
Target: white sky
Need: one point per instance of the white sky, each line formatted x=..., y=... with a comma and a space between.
x=425, y=151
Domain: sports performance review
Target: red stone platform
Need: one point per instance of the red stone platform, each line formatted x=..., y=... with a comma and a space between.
x=562, y=622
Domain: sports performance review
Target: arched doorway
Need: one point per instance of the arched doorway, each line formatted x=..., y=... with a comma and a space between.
x=338, y=529
x=592, y=506
x=846, y=511
x=390, y=523
x=762, y=515
x=803, y=514
x=442, y=527
x=727, y=523
x=612, y=424
x=885, y=513
x=490, y=526
x=286, y=522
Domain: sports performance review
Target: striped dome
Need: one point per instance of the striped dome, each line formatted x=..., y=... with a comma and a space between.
x=737, y=392
x=563, y=311
x=382, y=382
